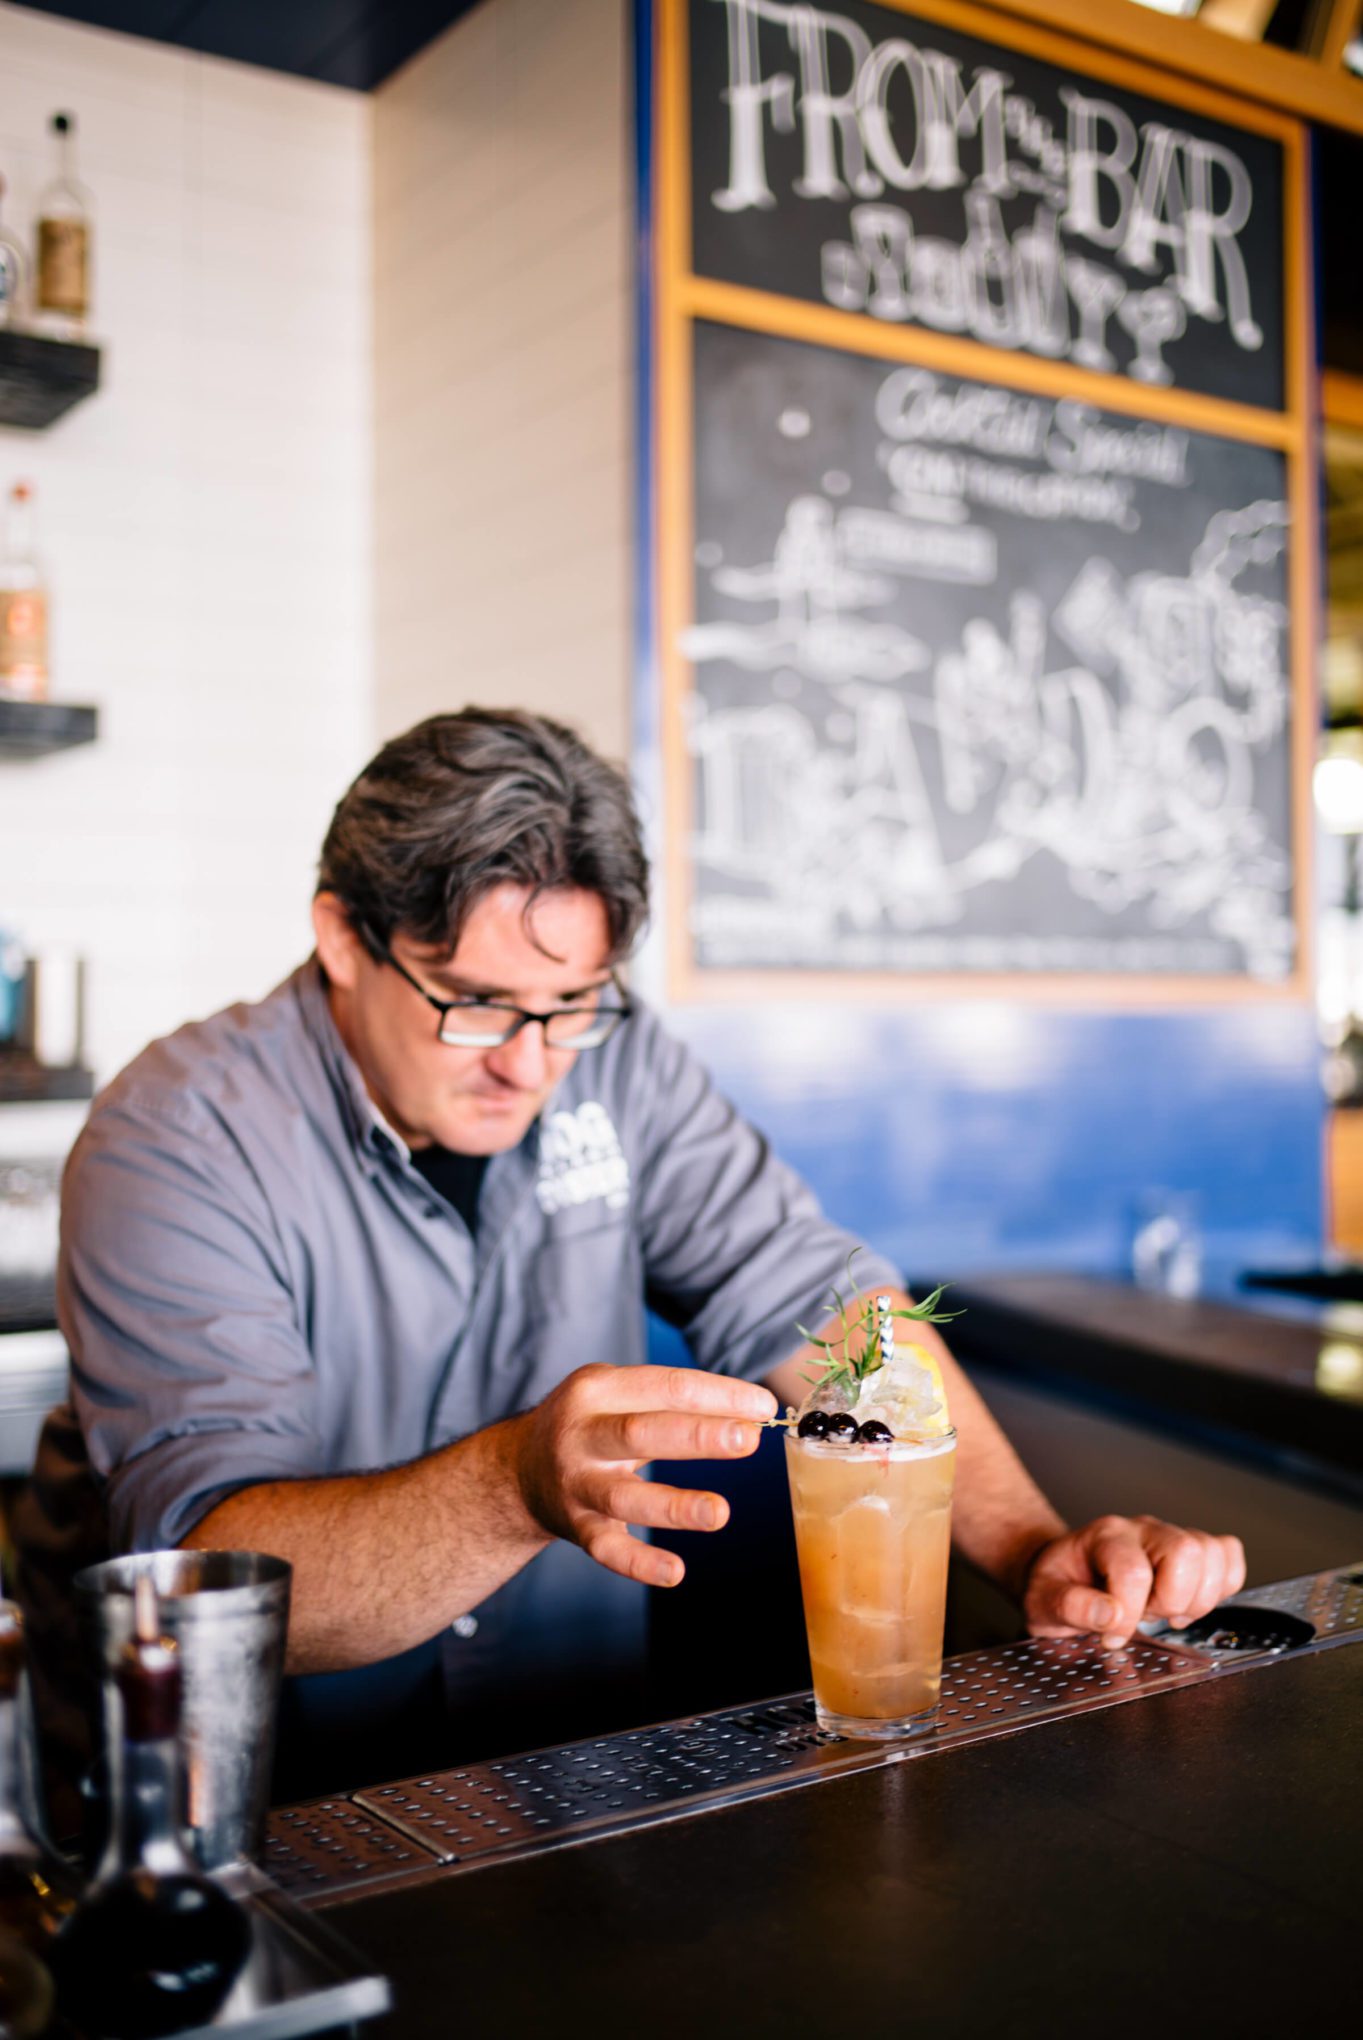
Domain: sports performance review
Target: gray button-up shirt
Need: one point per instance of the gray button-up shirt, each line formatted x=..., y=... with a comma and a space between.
x=256, y=1284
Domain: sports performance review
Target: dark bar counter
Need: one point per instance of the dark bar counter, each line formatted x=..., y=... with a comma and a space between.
x=1190, y=1861
x=1271, y=1377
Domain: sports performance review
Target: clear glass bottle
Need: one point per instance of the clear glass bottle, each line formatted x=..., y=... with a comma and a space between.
x=155, y=1945
x=65, y=238
x=13, y=274
x=23, y=603
x=34, y=1895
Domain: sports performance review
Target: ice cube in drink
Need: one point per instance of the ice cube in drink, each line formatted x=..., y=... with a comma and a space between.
x=873, y=1532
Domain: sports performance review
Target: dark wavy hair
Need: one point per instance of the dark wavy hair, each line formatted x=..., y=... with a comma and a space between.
x=464, y=803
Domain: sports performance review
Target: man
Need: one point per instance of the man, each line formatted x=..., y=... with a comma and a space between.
x=358, y=1275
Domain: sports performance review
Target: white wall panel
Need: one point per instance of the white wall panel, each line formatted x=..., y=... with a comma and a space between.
x=503, y=369
x=205, y=519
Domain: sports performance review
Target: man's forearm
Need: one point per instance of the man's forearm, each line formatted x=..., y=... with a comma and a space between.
x=1000, y=1517
x=382, y=1561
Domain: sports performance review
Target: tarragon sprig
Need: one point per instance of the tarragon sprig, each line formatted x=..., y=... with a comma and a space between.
x=842, y=1365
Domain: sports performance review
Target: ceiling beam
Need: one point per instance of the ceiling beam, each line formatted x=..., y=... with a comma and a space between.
x=1274, y=77
x=1341, y=398
x=1332, y=27
x=1244, y=18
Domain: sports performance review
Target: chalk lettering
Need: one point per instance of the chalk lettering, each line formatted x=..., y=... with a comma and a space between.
x=1135, y=232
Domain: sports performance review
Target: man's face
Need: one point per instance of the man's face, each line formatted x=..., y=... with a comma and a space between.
x=475, y=1101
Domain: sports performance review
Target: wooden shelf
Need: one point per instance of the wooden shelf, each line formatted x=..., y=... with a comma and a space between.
x=29, y=729
x=24, y=1081
x=41, y=379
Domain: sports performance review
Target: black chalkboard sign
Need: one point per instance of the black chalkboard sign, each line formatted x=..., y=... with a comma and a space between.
x=982, y=681
x=864, y=158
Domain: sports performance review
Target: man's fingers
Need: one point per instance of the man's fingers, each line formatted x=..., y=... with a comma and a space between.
x=652, y=1506
x=639, y=1435
x=619, y=1389
x=1215, y=1566
x=1235, y=1563
x=1120, y=1565
x=1106, y=1578
x=1211, y=1586
x=1188, y=1568
x=611, y=1545
x=1059, y=1608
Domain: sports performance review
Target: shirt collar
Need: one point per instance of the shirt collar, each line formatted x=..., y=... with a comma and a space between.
x=372, y=1138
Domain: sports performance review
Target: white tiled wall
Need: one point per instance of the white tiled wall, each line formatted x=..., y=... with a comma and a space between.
x=205, y=520
x=503, y=336
x=323, y=492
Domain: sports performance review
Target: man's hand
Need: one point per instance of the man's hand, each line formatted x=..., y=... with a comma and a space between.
x=1121, y=1570
x=579, y=1454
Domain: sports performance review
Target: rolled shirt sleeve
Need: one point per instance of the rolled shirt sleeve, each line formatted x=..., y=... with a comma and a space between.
x=189, y=1372
x=736, y=1248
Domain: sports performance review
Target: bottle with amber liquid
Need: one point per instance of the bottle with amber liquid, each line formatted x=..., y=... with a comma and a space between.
x=23, y=603
x=155, y=1945
x=34, y=1890
x=61, y=293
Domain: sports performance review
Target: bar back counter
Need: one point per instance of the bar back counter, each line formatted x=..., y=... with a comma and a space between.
x=1273, y=1378
x=1086, y=1842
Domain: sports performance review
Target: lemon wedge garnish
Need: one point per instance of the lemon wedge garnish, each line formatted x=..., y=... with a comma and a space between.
x=939, y=1423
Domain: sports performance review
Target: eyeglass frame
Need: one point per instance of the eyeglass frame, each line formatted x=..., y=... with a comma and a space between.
x=524, y=1017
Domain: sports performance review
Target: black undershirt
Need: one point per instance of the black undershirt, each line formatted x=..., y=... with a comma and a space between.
x=457, y=1178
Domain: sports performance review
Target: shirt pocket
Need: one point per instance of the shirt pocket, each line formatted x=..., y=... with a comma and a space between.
x=586, y=1282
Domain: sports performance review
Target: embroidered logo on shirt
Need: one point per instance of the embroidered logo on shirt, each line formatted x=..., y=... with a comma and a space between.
x=581, y=1159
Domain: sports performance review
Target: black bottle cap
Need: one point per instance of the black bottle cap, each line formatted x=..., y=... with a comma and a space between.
x=149, y=1671
x=11, y=1649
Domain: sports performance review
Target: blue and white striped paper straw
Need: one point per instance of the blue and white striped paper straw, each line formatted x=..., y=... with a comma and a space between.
x=885, y=1331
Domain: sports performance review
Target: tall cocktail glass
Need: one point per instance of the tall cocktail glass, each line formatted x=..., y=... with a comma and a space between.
x=873, y=1530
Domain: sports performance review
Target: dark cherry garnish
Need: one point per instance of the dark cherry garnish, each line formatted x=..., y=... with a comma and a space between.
x=842, y=1424
x=813, y=1424
x=873, y=1432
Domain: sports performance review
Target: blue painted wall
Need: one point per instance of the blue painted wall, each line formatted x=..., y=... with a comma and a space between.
x=983, y=1134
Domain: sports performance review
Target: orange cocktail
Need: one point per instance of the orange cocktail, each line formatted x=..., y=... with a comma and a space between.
x=873, y=1529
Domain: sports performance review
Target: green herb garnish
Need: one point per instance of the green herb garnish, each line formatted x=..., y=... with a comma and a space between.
x=844, y=1367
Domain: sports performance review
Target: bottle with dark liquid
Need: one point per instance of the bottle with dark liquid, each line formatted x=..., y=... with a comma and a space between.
x=33, y=1893
x=156, y=1945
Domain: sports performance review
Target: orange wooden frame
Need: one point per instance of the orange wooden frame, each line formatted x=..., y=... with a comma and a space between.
x=681, y=298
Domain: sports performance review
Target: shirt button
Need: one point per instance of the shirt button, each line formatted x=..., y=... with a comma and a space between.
x=465, y=1625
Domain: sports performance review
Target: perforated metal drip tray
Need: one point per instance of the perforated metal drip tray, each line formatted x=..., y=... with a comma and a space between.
x=450, y=1821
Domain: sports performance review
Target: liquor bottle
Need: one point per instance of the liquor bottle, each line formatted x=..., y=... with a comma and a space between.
x=34, y=1892
x=23, y=604
x=25, y=1992
x=13, y=274
x=156, y=1945
x=62, y=293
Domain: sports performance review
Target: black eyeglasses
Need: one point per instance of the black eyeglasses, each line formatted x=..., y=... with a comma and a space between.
x=487, y=1023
